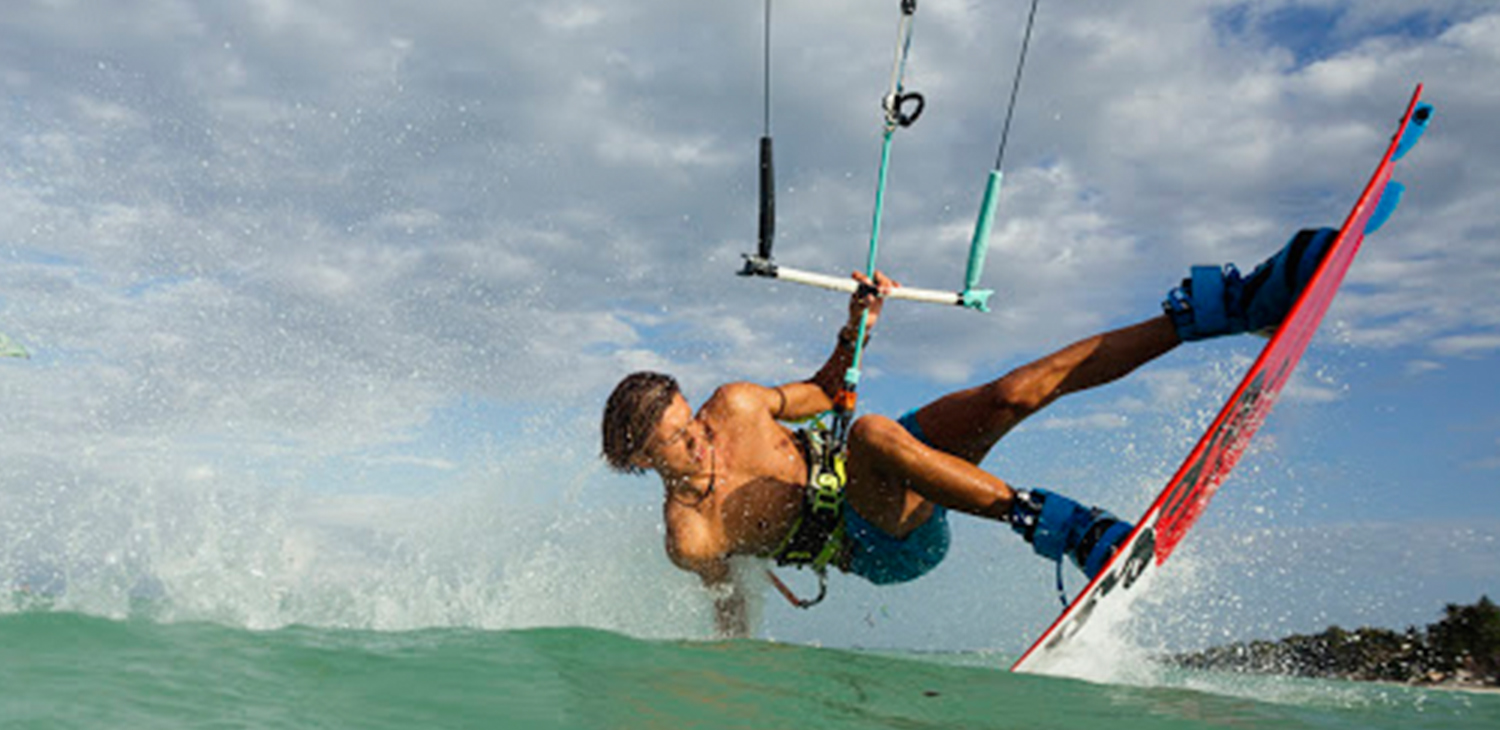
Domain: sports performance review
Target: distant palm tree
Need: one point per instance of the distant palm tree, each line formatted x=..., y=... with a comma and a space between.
x=1468, y=638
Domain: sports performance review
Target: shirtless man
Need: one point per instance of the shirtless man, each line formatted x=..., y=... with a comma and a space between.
x=736, y=479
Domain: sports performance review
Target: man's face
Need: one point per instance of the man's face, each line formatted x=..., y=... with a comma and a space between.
x=679, y=443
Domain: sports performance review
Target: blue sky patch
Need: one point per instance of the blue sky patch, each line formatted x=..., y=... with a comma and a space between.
x=1313, y=32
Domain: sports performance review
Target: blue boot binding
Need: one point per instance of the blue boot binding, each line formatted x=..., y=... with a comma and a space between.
x=1056, y=525
x=1217, y=301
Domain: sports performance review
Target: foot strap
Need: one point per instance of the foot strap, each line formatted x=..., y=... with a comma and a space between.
x=1272, y=289
x=1103, y=547
x=1057, y=526
x=1208, y=295
x=1058, y=518
x=1215, y=301
x=1199, y=308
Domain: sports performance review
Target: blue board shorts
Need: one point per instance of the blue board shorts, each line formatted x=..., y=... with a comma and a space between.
x=883, y=559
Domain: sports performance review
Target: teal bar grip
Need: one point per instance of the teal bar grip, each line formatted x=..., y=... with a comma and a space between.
x=973, y=297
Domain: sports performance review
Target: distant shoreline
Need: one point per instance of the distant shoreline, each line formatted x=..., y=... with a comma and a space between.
x=1460, y=652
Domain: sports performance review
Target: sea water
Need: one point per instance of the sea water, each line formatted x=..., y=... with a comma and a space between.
x=66, y=670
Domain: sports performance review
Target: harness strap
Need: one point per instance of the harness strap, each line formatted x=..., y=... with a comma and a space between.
x=816, y=539
x=792, y=597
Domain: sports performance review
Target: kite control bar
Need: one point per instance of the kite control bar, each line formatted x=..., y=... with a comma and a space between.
x=976, y=299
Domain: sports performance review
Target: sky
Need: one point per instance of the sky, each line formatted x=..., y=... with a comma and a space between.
x=324, y=297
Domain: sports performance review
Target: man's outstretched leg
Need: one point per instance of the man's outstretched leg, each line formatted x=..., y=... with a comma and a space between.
x=969, y=423
x=930, y=457
x=1212, y=302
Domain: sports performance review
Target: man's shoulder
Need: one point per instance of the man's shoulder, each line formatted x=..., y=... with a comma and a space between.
x=739, y=399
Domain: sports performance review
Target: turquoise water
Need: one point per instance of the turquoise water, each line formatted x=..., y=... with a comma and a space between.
x=62, y=670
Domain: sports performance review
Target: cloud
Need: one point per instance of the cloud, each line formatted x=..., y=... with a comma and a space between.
x=1466, y=345
x=1095, y=421
x=1313, y=386
x=1422, y=367
x=1490, y=463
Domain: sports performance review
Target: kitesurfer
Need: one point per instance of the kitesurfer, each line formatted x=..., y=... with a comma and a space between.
x=737, y=480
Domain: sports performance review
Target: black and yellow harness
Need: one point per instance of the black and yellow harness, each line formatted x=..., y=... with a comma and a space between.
x=817, y=539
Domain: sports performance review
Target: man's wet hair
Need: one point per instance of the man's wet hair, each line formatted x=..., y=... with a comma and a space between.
x=631, y=415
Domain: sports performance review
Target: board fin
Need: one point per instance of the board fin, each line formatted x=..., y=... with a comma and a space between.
x=1387, y=205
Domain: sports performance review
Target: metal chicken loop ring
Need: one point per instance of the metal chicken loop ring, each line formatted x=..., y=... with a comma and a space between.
x=896, y=112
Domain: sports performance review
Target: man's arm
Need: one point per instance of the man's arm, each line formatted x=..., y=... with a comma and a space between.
x=692, y=548
x=807, y=398
x=731, y=619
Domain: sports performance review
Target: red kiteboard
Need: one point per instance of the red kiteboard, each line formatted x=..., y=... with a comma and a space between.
x=1179, y=505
